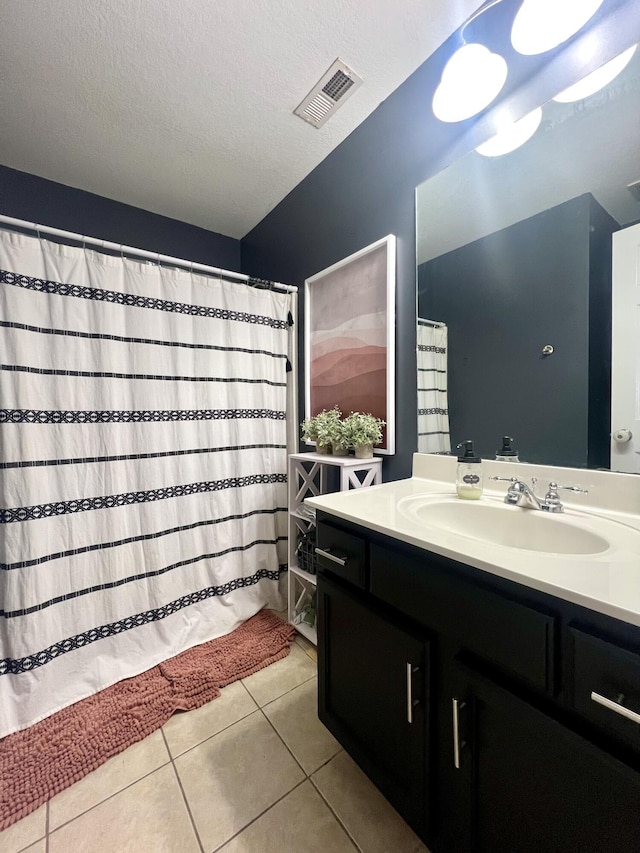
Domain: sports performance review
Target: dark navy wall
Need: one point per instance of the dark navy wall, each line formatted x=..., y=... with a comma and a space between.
x=44, y=202
x=365, y=188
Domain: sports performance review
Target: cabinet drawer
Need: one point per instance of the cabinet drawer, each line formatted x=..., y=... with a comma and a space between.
x=514, y=637
x=606, y=686
x=342, y=554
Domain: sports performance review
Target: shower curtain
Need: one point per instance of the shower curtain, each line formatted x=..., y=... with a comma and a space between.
x=433, y=406
x=143, y=450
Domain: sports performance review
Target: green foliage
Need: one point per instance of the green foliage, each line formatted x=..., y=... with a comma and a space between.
x=309, y=429
x=363, y=428
x=328, y=427
x=323, y=426
x=339, y=436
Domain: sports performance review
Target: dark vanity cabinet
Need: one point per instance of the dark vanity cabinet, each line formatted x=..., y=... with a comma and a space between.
x=535, y=785
x=374, y=690
x=374, y=696
x=467, y=700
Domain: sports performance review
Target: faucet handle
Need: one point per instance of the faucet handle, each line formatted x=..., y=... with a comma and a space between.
x=554, y=487
x=505, y=479
x=552, y=502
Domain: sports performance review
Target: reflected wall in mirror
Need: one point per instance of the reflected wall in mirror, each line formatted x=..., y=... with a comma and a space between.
x=514, y=282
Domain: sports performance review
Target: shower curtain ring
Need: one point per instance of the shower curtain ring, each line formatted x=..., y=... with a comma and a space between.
x=36, y=228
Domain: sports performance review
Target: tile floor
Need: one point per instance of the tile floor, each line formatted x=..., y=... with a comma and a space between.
x=254, y=771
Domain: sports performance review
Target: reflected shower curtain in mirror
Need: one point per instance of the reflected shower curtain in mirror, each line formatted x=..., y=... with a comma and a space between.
x=433, y=406
x=143, y=462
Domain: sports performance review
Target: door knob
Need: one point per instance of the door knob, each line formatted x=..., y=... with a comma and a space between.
x=622, y=436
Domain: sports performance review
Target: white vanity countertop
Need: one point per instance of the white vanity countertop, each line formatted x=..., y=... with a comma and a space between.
x=607, y=582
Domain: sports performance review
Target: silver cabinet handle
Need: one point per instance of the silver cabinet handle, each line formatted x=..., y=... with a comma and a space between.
x=411, y=702
x=341, y=561
x=616, y=707
x=457, y=743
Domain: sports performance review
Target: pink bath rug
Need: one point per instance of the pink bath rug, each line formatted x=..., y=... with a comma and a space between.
x=46, y=758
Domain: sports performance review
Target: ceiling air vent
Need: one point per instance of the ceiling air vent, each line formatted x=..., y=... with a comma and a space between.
x=329, y=93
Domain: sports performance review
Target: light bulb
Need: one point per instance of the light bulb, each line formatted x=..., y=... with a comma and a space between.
x=597, y=79
x=471, y=80
x=541, y=25
x=511, y=136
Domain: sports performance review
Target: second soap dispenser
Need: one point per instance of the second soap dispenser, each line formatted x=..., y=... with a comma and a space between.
x=469, y=475
x=507, y=453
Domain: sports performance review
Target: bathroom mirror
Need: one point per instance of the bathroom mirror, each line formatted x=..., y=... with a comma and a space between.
x=514, y=266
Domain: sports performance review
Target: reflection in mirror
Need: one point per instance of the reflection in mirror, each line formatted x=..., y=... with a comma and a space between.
x=514, y=259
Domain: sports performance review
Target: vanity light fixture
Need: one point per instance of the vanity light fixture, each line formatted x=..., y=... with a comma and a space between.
x=511, y=136
x=471, y=80
x=597, y=79
x=541, y=25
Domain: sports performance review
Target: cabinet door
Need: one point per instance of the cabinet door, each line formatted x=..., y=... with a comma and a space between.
x=537, y=786
x=373, y=696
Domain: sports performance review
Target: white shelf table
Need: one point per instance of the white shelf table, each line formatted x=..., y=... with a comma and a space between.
x=308, y=477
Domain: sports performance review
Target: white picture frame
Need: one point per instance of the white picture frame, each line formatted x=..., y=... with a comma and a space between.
x=349, y=337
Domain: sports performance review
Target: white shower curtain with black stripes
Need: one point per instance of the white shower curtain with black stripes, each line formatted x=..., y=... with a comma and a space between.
x=143, y=462
x=433, y=405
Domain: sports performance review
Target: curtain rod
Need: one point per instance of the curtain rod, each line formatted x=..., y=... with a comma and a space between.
x=143, y=253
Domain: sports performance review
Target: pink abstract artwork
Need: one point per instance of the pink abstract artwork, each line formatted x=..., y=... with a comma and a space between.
x=348, y=360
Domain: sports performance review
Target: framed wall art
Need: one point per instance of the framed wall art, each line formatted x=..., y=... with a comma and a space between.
x=349, y=337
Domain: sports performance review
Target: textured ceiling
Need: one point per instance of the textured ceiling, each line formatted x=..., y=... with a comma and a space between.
x=185, y=108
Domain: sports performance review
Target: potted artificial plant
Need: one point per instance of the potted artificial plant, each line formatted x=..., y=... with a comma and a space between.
x=309, y=429
x=321, y=428
x=363, y=431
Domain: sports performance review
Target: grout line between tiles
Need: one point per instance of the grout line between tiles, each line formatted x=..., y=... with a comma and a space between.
x=215, y=734
x=308, y=777
x=182, y=791
x=286, y=746
x=417, y=849
x=290, y=690
x=324, y=763
x=315, y=770
x=111, y=796
x=257, y=708
x=46, y=831
x=257, y=817
x=335, y=814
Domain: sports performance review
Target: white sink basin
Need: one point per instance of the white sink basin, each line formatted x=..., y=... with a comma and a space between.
x=498, y=523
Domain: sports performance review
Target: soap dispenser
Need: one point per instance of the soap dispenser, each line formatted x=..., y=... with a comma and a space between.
x=469, y=475
x=507, y=453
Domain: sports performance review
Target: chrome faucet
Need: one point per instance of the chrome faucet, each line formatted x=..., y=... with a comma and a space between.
x=521, y=494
